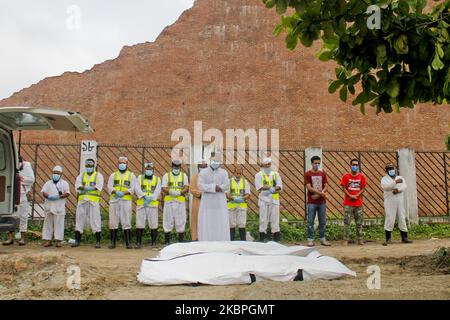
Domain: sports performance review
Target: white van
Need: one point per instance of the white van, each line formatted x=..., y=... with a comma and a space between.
x=20, y=119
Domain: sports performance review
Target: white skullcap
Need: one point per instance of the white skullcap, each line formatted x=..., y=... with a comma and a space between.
x=176, y=162
x=123, y=159
x=57, y=168
x=267, y=161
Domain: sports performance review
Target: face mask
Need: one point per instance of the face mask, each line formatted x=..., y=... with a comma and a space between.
x=176, y=171
x=391, y=173
x=355, y=168
x=201, y=169
x=89, y=169
x=267, y=170
x=316, y=166
x=215, y=165
x=122, y=166
x=148, y=173
x=56, y=177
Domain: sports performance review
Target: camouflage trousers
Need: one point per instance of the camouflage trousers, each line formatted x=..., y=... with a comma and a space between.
x=349, y=214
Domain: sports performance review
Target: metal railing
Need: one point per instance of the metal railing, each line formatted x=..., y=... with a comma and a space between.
x=433, y=176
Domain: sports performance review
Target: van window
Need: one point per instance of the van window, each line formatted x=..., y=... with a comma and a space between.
x=2, y=156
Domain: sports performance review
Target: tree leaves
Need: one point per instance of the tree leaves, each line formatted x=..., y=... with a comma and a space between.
x=404, y=63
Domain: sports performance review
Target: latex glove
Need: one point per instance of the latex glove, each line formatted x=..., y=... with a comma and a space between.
x=53, y=198
x=174, y=193
x=147, y=198
x=239, y=200
x=272, y=190
x=146, y=203
x=119, y=194
x=89, y=188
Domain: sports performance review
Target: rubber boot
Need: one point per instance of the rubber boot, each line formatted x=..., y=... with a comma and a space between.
x=242, y=234
x=262, y=237
x=167, y=238
x=405, y=237
x=127, y=234
x=277, y=236
x=154, y=236
x=232, y=233
x=139, y=233
x=388, y=238
x=77, y=239
x=181, y=237
x=113, y=235
x=98, y=238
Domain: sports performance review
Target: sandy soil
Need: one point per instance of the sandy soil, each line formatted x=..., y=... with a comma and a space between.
x=34, y=272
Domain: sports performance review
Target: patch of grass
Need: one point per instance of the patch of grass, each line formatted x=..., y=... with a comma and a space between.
x=290, y=232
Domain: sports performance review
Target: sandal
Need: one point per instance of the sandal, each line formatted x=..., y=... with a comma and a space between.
x=22, y=242
x=48, y=244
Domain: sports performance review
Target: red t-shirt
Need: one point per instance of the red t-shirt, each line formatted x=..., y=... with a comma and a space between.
x=317, y=180
x=353, y=184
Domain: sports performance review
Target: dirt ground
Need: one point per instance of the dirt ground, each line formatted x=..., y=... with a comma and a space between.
x=34, y=272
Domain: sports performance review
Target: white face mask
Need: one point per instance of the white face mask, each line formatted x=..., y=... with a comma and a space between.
x=215, y=165
x=267, y=170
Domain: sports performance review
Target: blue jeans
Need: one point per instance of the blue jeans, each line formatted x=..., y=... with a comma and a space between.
x=321, y=210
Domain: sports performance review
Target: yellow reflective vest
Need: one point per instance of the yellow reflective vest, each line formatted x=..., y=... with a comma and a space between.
x=148, y=187
x=176, y=183
x=271, y=182
x=122, y=184
x=89, y=181
x=237, y=190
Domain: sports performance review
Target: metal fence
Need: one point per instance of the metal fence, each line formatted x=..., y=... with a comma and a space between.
x=433, y=176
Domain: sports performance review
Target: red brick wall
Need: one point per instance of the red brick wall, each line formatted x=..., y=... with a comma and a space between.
x=221, y=64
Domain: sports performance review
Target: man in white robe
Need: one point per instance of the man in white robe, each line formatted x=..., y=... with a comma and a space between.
x=213, y=220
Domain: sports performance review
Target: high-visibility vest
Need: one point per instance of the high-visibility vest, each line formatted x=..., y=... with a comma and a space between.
x=90, y=181
x=148, y=187
x=122, y=184
x=271, y=182
x=176, y=183
x=237, y=191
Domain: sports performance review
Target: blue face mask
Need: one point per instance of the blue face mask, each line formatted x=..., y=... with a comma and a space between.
x=148, y=173
x=355, y=168
x=89, y=169
x=316, y=166
x=391, y=173
x=122, y=166
x=56, y=177
x=176, y=171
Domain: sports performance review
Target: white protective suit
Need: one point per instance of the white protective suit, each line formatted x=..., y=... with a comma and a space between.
x=269, y=208
x=394, y=204
x=55, y=211
x=24, y=209
x=174, y=211
x=150, y=213
x=213, y=219
x=89, y=210
x=120, y=210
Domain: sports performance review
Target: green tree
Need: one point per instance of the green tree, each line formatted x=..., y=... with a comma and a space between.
x=404, y=62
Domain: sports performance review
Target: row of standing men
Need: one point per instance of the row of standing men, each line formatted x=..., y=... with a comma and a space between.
x=173, y=189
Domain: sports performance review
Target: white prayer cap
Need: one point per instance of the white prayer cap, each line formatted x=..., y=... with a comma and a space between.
x=57, y=168
x=123, y=159
x=149, y=164
x=266, y=161
x=176, y=163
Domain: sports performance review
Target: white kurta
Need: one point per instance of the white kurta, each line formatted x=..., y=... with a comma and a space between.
x=394, y=204
x=55, y=211
x=213, y=221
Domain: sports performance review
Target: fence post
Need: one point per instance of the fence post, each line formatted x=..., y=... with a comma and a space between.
x=36, y=150
x=407, y=169
x=444, y=157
